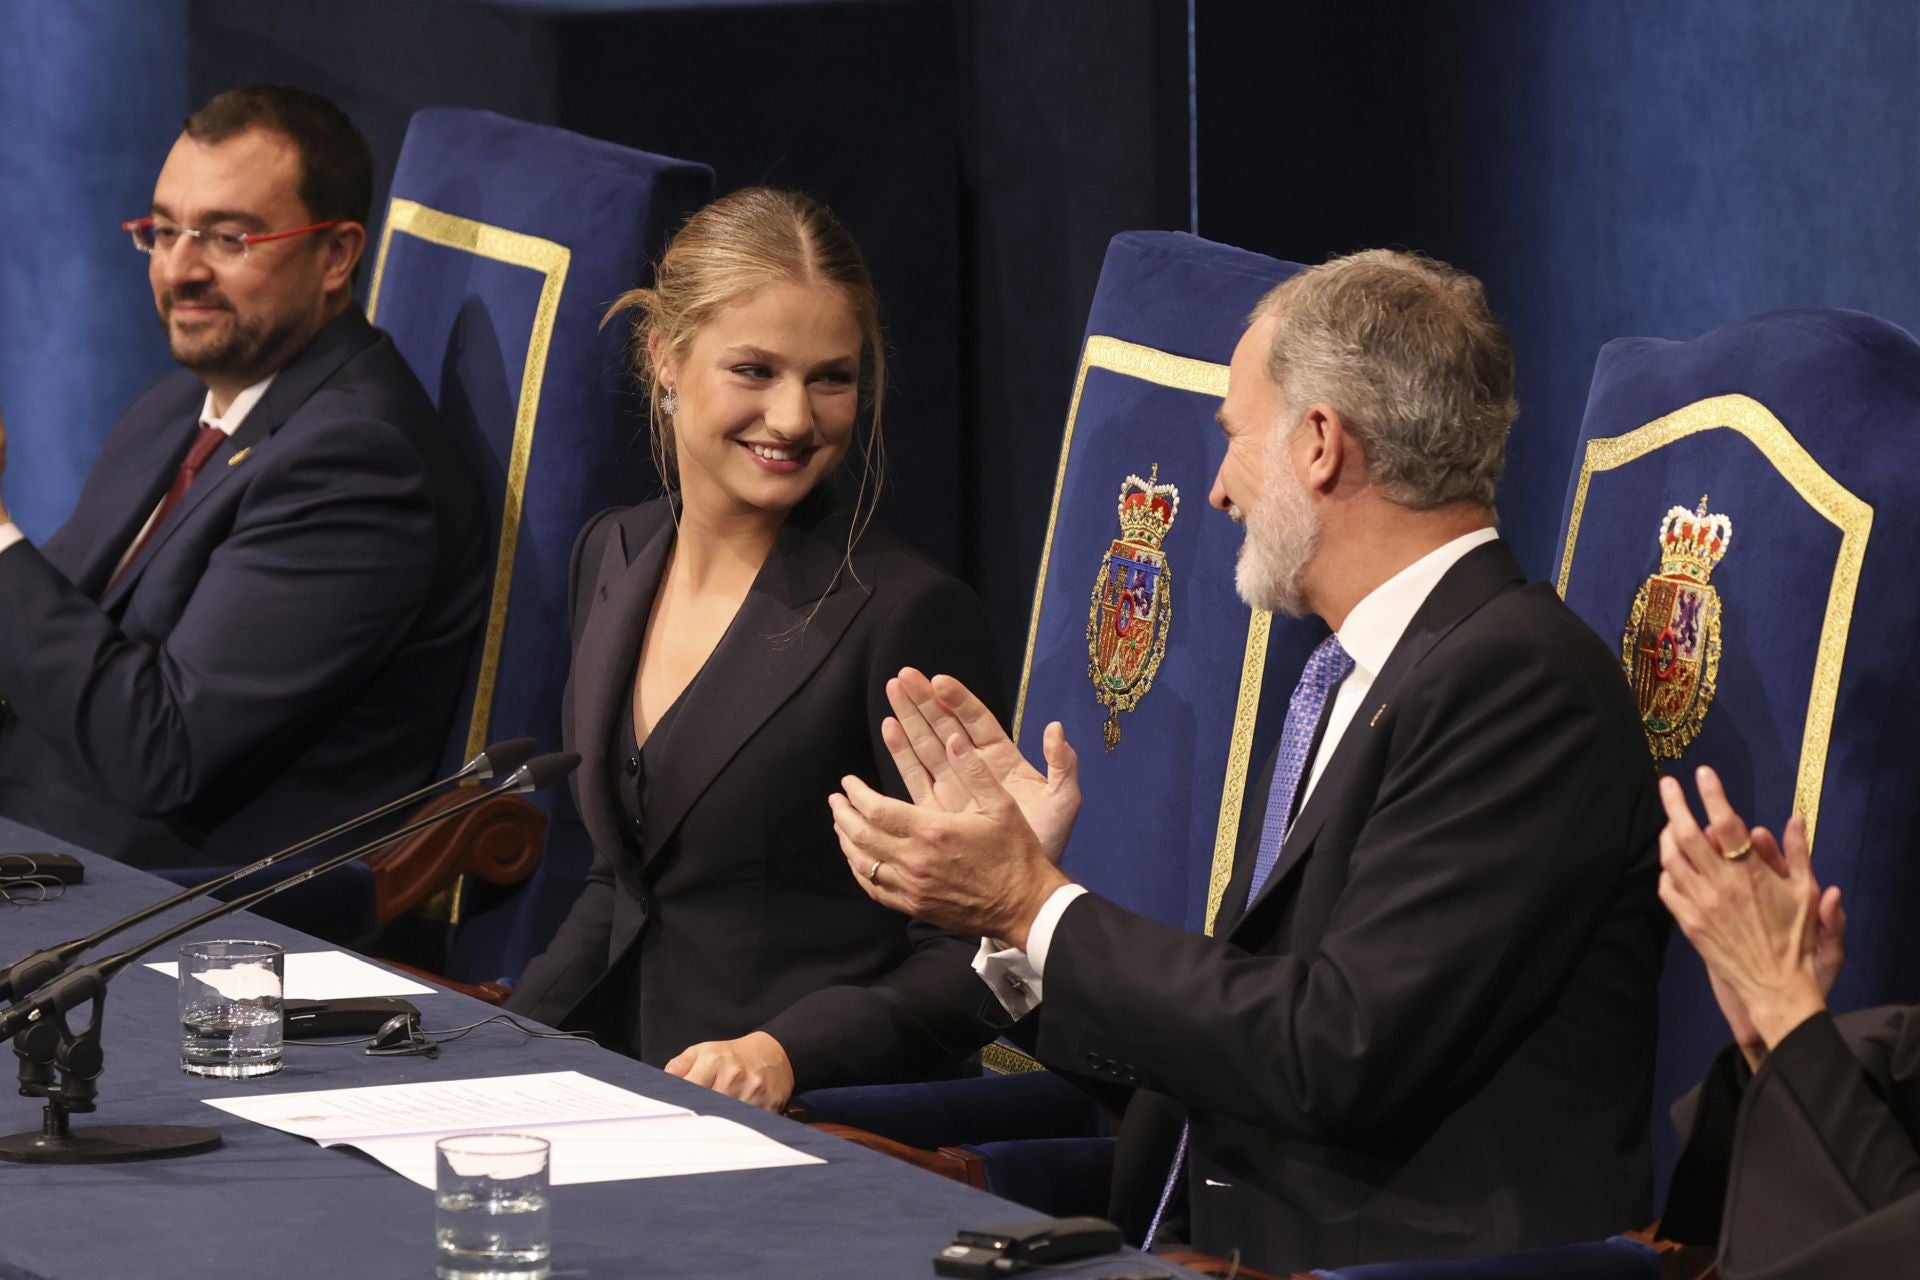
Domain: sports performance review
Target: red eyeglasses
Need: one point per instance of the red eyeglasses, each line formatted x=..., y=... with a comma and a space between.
x=151, y=235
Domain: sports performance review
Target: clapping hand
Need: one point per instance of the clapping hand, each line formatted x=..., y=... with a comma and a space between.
x=1772, y=940
x=926, y=716
x=976, y=850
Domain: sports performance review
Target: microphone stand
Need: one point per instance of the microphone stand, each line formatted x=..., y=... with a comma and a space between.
x=63, y=1066
x=40, y=968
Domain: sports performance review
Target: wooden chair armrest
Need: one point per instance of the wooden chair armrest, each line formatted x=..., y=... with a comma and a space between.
x=1678, y=1261
x=499, y=841
x=948, y=1162
x=492, y=992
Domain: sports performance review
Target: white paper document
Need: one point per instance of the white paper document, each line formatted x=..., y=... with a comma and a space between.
x=599, y=1132
x=332, y=975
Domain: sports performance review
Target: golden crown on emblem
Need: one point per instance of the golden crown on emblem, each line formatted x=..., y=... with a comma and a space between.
x=1147, y=508
x=1692, y=542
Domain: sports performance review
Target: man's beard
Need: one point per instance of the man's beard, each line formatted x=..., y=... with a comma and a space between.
x=238, y=350
x=1281, y=537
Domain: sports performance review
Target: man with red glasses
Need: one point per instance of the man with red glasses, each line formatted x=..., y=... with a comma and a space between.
x=259, y=617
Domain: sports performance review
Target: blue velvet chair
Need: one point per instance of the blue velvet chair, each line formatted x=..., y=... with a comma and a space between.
x=1741, y=520
x=1140, y=647
x=1783, y=655
x=503, y=245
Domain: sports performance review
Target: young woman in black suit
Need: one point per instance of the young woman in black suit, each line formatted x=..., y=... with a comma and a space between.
x=731, y=647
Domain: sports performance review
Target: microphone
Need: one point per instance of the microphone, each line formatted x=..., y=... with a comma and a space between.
x=40, y=968
x=63, y=992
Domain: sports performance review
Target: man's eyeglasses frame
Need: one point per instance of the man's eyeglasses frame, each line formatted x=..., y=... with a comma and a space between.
x=221, y=246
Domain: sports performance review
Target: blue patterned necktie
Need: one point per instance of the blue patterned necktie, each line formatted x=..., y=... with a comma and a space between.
x=1326, y=668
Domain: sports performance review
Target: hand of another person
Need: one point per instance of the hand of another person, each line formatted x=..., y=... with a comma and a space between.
x=927, y=713
x=753, y=1068
x=981, y=870
x=1771, y=940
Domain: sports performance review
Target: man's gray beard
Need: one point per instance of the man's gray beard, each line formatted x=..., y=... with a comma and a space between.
x=1281, y=537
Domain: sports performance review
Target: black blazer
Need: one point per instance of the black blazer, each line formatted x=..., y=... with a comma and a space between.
x=737, y=911
x=288, y=647
x=1432, y=1034
x=1807, y=1168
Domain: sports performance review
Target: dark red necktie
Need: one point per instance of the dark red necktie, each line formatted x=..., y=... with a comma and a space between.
x=204, y=443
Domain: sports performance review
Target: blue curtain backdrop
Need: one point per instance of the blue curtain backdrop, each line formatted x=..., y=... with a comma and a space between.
x=1608, y=167
x=92, y=93
x=983, y=151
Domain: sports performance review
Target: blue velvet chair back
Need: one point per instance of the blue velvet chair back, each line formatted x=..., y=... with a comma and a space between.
x=504, y=244
x=1160, y=810
x=1773, y=636
x=1156, y=828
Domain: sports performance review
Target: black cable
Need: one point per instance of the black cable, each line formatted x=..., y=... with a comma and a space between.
x=420, y=1038
x=12, y=882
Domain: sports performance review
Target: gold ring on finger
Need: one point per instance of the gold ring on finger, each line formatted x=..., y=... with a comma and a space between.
x=1734, y=855
x=873, y=872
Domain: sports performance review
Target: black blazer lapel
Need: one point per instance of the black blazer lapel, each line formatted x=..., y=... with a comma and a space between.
x=346, y=336
x=775, y=643
x=1476, y=578
x=609, y=647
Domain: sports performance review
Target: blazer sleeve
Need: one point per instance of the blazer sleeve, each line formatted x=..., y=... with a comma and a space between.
x=929, y=1011
x=1822, y=1175
x=1507, y=824
x=558, y=978
x=328, y=564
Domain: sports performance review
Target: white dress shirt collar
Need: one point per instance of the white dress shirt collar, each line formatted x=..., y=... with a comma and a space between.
x=241, y=406
x=1374, y=626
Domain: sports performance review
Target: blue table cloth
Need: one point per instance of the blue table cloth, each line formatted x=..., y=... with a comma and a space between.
x=269, y=1203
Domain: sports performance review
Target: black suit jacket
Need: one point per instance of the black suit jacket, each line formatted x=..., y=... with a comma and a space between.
x=736, y=912
x=286, y=650
x=1432, y=1034
x=1808, y=1168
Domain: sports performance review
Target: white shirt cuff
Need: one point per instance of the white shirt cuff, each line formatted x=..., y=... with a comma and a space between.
x=1013, y=975
x=10, y=534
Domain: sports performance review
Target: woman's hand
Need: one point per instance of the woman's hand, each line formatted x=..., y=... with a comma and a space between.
x=1771, y=939
x=753, y=1068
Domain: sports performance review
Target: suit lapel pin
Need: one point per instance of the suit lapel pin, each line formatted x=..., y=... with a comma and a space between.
x=234, y=461
x=1382, y=710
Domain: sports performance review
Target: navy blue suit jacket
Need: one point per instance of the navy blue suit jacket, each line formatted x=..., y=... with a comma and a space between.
x=288, y=646
x=1431, y=1034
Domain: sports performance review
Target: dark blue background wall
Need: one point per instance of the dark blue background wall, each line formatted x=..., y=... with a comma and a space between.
x=983, y=151
x=1608, y=167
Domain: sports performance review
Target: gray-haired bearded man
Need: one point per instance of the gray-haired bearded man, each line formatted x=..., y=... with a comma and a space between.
x=1424, y=1026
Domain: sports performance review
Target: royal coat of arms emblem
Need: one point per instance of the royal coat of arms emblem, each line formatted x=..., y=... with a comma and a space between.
x=1671, y=649
x=1132, y=601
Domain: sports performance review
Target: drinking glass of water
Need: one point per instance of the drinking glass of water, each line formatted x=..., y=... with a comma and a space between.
x=491, y=1218
x=230, y=1008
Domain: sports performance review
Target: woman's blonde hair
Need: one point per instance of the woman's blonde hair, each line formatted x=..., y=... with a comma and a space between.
x=742, y=242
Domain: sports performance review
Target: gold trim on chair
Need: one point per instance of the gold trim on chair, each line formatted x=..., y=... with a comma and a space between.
x=1819, y=490
x=551, y=260
x=1203, y=378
